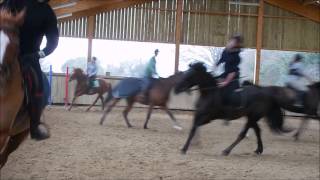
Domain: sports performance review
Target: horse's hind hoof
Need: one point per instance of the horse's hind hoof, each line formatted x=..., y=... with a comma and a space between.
x=145, y=127
x=225, y=153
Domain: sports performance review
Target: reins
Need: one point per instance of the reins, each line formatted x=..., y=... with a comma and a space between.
x=211, y=87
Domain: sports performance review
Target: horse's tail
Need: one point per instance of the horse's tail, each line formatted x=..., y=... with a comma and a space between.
x=275, y=118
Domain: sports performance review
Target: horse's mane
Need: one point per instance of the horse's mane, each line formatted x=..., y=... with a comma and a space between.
x=200, y=67
x=6, y=16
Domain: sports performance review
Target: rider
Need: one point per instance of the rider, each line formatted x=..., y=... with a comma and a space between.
x=229, y=79
x=150, y=75
x=92, y=71
x=296, y=73
x=40, y=21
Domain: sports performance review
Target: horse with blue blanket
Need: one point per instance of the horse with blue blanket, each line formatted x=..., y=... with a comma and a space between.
x=130, y=89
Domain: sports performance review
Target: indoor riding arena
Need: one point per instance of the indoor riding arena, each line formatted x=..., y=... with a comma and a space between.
x=187, y=103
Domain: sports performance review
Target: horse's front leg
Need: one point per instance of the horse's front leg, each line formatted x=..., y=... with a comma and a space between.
x=73, y=100
x=105, y=113
x=191, y=135
x=198, y=121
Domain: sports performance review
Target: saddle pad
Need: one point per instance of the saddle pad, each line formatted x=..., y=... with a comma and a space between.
x=96, y=83
x=127, y=87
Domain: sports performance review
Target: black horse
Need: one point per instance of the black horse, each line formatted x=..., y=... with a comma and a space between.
x=250, y=101
x=286, y=98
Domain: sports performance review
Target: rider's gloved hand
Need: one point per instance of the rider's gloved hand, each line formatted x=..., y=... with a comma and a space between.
x=34, y=56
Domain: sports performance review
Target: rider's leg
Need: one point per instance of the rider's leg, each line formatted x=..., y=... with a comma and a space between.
x=36, y=105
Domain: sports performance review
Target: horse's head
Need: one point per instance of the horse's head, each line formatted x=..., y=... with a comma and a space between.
x=194, y=76
x=9, y=41
x=76, y=74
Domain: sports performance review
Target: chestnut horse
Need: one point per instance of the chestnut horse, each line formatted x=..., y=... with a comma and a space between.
x=82, y=87
x=14, y=118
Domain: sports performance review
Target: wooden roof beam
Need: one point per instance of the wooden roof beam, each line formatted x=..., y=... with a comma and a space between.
x=310, y=12
x=92, y=7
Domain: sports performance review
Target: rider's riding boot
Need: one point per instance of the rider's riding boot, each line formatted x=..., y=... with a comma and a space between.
x=35, y=110
x=145, y=96
x=300, y=97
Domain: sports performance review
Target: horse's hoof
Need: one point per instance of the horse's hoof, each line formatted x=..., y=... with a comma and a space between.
x=258, y=152
x=130, y=126
x=145, y=127
x=183, y=152
x=225, y=153
x=177, y=127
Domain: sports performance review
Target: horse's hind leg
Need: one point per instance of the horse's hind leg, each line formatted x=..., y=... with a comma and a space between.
x=102, y=102
x=105, y=113
x=94, y=102
x=126, y=112
x=257, y=130
x=241, y=136
x=175, y=122
x=303, y=125
x=13, y=144
x=148, y=116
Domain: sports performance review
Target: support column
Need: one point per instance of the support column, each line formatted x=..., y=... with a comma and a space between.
x=90, y=34
x=178, y=33
x=259, y=42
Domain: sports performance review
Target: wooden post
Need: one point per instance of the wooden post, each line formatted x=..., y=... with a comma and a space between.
x=259, y=42
x=90, y=35
x=178, y=33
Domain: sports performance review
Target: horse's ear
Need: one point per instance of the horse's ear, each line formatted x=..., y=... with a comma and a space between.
x=19, y=18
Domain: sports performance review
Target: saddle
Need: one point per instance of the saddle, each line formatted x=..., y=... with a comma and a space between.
x=236, y=99
x=299, y=96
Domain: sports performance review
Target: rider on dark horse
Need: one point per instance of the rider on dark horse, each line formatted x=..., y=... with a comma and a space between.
x=92, y=71
x=150, y=75
x=294, y=79
x=40, y=21
x=229, y=79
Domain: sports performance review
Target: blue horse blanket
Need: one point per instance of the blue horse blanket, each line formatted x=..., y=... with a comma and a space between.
x=127, y=87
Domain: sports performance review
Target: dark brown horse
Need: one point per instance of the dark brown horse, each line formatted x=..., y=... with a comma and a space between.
x=251, y=102
x=159, y=95
x=286, y=98
x=82, y=87
x=14, y=119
